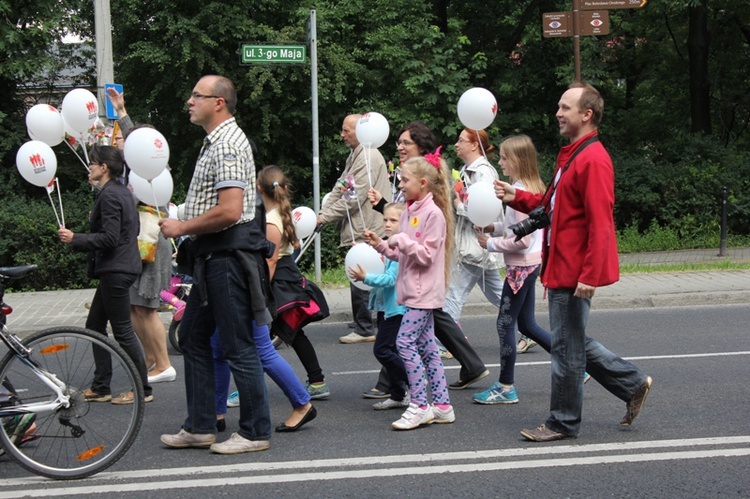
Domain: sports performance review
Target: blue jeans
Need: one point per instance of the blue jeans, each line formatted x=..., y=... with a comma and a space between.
x=229, y=309
x=273, y=364
x=518, y=307
x=573, y=353
x=463, y=279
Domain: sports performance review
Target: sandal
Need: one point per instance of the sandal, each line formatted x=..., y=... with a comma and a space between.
x=528, y=344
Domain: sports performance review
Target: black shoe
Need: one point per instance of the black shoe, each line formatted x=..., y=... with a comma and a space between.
x=374, y=393
x=305, y=419
x=221, y=425
x=461, y=384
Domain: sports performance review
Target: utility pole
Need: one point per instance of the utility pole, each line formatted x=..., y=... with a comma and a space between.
x=105, y=72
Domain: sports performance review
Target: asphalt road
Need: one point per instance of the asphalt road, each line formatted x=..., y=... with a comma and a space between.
x=691, y=440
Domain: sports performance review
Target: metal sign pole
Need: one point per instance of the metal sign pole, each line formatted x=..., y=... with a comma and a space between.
x=315, y=133
x=577, y=40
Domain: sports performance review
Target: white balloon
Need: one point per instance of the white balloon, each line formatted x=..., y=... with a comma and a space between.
x=146, y=152
x=45, y=123
x=181, y=212
x=172, y=210
x=372, y=130
x=365, y=255
x=305, y=221
x=482, y=205
x=80, y=109
x=325, y=198
x=160, y=187
x=477, y=108
x=36, y=162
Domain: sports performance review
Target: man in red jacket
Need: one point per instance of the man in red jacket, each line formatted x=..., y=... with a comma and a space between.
x=579, y=255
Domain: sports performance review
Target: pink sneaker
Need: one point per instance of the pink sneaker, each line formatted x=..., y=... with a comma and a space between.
x=179, y=309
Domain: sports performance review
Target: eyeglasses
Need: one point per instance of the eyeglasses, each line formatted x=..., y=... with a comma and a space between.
x=405, y=143
x=197, y=96
x=463, y=140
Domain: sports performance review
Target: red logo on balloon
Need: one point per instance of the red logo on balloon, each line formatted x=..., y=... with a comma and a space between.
x=158, y=143
x=494, y=108
x=36, y=160
x=91, y=107
x=297, y=216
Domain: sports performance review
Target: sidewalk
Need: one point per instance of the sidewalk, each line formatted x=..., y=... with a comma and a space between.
x=43, y=309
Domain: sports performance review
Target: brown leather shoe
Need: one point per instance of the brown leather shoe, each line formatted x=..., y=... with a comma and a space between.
x=635, y=404
x=543, y=434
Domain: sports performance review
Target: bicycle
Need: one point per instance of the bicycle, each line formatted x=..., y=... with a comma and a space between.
x=48, y=371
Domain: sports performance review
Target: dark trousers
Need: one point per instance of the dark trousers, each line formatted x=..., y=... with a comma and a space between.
x=386, y=352
x=111, y=304
x=228, y=307
x=307, y=356
x=454, y=340
x=360, y=313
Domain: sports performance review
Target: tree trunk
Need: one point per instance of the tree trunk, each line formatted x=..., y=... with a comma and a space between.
x=698, y=43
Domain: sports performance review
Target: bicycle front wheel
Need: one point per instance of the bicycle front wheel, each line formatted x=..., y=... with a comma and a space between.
x=77, y=438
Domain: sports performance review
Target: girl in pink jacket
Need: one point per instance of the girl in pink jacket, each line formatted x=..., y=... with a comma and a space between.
x=421, y=247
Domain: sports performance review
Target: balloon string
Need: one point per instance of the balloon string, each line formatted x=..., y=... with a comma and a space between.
x=85, y=153
x=52, y=203
x=479, y=139
x=59, y=198
x=85, y=163
x=348, y=216
x=158, y=214
x=364, y=226
x=368, y=149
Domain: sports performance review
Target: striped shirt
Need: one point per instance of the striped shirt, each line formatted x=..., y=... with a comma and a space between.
x=225, y=160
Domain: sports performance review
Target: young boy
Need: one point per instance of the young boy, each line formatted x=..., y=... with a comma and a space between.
x=383, y=300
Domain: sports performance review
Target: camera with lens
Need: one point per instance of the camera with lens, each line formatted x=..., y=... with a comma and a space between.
x=538, y=219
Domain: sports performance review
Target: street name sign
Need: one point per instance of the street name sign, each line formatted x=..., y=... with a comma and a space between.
x=272, y=54
x=612, y=4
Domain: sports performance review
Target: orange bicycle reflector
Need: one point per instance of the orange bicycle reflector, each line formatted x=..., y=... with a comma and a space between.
x=54, y=348
x=90, y=453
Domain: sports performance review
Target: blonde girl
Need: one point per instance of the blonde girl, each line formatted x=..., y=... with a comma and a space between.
x=423, y=248
x=518, y=160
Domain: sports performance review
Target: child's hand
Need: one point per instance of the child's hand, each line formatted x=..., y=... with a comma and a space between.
x=489, y=228
x=482, y=238
x=371, y=238
x=374, y=196
x=357, y=274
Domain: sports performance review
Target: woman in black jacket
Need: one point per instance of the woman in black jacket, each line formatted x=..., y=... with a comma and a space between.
x=114, y=259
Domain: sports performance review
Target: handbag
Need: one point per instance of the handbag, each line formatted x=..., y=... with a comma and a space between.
x=148, y=237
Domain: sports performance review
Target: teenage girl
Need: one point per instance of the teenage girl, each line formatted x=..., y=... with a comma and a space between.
x=273, y=193
x=422, y=248
x=518, y=160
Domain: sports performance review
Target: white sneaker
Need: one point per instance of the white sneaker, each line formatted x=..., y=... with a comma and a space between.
x=443, y=416
x=237, y=444
x=391, y=404
x=353, y=337
x=413, y=418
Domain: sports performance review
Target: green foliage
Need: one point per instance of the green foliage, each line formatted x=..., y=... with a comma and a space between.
x=28, y=235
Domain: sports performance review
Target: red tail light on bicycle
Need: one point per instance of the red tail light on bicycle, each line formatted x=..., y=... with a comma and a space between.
x=6, y=309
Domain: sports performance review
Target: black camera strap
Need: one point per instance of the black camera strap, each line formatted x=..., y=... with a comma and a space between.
x=547, y=198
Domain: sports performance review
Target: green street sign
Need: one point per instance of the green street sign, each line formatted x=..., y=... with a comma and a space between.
x=272, y=54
